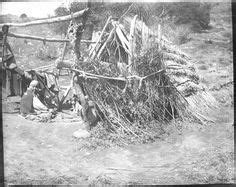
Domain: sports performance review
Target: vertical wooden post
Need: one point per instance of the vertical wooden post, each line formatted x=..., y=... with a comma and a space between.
x=63, y=55
x=4, y=42
x=75, y=39
x=132, y=43
x=64, y=50
x=75, y=34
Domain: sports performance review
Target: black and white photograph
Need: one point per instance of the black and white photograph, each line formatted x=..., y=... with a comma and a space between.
x=113, y=92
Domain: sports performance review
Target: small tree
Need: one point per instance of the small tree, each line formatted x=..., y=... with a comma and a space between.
x=196, y=14
x=23, y=16
x=61, y=28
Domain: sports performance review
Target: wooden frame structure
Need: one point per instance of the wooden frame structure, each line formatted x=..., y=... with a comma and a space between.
x=82, y=13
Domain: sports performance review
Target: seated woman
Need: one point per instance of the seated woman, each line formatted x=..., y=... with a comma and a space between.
x=32, y=108
x=30, y=103
x=26, y=103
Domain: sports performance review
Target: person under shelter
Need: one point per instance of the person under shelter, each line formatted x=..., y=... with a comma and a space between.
x=32, y=108
x=26, y=103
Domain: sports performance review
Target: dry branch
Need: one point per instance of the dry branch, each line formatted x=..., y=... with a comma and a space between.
x=47, y=21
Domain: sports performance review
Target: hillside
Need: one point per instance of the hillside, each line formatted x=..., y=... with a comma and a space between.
x=214, y=55
x=185, y=153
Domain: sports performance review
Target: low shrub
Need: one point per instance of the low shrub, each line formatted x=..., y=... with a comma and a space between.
x=46, y=52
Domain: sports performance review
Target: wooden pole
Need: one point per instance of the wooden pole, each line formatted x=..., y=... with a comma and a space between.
x=75, y=39
x=47, y=21
x=159, y=36
x=4, y=43
x=105, y=43
x=65, y=94
x=99, y=76
x=42, y=68
x=65, y=44
x=43, y=39
x=132, y=43
x=75, y=33
x=100, y=37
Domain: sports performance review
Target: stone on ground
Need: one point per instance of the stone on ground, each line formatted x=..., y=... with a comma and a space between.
x=81, y=134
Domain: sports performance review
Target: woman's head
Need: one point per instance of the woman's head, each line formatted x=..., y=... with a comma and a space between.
x=33, y=85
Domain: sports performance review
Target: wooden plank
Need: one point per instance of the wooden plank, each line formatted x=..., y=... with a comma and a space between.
x=47, y=21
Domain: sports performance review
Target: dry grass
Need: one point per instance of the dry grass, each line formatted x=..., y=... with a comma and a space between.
x=178, y=34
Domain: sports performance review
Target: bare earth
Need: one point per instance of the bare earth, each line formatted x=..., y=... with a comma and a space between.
x=46, y=153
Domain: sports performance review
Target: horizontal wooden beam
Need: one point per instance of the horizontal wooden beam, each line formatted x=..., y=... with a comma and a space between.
x=94, y=76
x=44, y=39
x=47, y=21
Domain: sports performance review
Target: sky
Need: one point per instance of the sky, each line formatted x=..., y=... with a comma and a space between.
x=40, y=9
x=31, y=9
x=43, y=8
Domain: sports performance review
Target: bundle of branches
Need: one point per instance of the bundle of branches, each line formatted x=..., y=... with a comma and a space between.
x=140, y=88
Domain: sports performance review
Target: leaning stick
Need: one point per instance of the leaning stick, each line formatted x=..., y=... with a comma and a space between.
x=131, y=42
x=100, y=37
x=105, y=43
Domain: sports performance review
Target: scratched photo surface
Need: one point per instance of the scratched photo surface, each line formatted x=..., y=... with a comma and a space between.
x=117, y=92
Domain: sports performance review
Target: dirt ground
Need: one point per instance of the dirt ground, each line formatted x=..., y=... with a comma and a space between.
x=47, y=153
